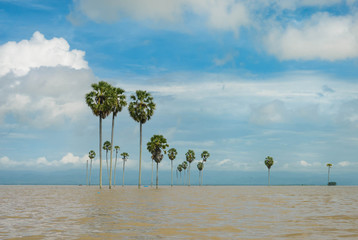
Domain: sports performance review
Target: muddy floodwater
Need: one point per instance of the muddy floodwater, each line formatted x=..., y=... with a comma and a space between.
x=179, y=212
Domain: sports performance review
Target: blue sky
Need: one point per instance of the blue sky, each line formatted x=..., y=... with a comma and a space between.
x=240, y=79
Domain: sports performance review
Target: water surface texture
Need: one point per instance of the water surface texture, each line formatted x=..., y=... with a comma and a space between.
x=210, y=212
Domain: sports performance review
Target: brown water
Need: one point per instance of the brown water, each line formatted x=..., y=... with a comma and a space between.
x=217, y=212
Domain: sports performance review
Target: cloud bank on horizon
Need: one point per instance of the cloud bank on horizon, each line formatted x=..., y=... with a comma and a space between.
x=241, y=79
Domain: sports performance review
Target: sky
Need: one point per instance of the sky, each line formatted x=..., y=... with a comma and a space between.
x=241, y=79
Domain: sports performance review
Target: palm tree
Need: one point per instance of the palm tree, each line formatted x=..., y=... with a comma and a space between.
x=115, y=165
x=141, y=110
x=107, y=147
x=172, y=153
x=91, y=155
x=124, y=157
x=200, y=166
x=87, y=172
x=185, y=166
x=190, y=156
x=269, y=162
x=118, y=101
x=179, y=168
x=156, y=145
x=329, y=165
x=97, y=100
x=204, y=155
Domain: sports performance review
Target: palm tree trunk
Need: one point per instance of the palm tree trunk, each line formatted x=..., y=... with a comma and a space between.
x=87, y=172
x=111, y=156
x=189, y=175
x=124, y=163
x=90, y=173
x=269, y=177
x=140, y=156
x=100, y=152
x=157, y=176
x=202, y=171
x=172, y=172
x=107, y=163
x=114, y=174
x=151, y=181
x=328, y=173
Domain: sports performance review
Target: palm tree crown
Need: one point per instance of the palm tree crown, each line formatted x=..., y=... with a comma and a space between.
x=200, y=166
x=190, y=156
x=142, y=107
x=269, y=162
x=92, y=154
x=205, y=155
x=156, y=145
x=172, y=153
x=98, y=99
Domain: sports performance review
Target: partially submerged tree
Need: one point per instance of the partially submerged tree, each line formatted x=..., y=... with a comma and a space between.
x=156, y=145
x=269, y=162
x=91, y=155
x=117, y=148
x=141, y=110
x=97, y=100
x=190, y=156
x=179, y=168
x=200, y=166
x=204, y=155
x=107, y=147
x=172, y=153
x=124, y=158
x=117, y=102
x=184, y=166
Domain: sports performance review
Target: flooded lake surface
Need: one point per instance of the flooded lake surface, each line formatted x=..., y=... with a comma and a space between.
x=180, y=212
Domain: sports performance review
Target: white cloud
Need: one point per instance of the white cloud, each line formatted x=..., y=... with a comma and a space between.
x=224, y=15
x=48, y=83
x=305, y=164
x=322, y=36
x=19, y=58
x=344, y=164
x=273, y=112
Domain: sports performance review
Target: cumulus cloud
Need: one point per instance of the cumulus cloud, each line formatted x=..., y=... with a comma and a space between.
x=47, y=84
x=19, y=58
x=322, y=36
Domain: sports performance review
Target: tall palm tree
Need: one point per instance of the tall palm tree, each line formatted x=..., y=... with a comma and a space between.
x=157, y=144
x=87, y=172
x=97, y=100
x=115, y=165
x=91, y=155
x=172, y=153
x=107, y=147
x=200, y=166
x=141, y=110
x=269, y=162
x=204, y=155
x=329, y=165
x=124, y=158
x=190, y=156
x=118, y=101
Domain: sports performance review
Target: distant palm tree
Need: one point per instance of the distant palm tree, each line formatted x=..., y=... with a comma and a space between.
x=97, y=100
x=185, y=166
x=107, y=147
x=172, y=153
x=124, y=158
x=141, y=110
x=329, y=165
x=117, y=148
x=91, y=155
x=200, y=166
x=179, y=168
x=117, y=101
x=156, y=145
x=204, y=155
x=190, y=156
x=269, y=162
x=87, y=172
